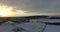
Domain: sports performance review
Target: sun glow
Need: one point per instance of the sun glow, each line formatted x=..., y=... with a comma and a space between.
x=9, y=11
x=6, y=11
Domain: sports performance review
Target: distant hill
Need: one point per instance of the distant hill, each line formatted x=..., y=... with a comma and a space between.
x=54, y=17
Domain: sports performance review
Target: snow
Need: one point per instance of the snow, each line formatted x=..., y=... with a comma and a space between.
x=33, y=26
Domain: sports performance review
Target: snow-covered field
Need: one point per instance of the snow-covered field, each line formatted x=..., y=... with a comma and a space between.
x=33, y=26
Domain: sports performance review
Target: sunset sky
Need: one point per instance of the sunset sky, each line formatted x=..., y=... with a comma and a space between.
x=33, y=7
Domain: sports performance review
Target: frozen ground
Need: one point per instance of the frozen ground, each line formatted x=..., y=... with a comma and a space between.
x=31, y=26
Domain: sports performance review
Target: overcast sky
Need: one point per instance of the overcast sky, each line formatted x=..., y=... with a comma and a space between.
x=38, y=6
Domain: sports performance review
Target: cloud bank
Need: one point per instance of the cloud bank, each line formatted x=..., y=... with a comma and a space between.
x=35, y=6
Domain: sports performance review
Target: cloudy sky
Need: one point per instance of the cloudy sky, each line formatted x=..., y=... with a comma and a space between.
x=37, y=6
